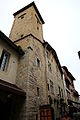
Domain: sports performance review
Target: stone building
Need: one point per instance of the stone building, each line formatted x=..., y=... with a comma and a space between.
x=9, y=92
x=36, y=72
x=72, y=94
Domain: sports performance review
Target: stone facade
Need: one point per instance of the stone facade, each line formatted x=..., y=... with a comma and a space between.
x=39, y=72
x=72, y=94
x=54, y=79
x=31, y=76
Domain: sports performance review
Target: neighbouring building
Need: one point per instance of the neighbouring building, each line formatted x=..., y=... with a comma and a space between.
x=72, y=94
x=10, y=93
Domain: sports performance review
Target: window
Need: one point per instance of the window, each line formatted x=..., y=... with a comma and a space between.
x=38, y=62
x=51, y=86
x=22, y=35
x=37, y=91
x=49, y=66
x=22, y=16
x=48, y=86
x=4, y=60
x=60, y=92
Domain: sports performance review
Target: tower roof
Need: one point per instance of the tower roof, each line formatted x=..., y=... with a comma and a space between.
x=28, y=6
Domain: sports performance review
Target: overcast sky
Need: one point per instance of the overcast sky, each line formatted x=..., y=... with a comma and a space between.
x=61, y=29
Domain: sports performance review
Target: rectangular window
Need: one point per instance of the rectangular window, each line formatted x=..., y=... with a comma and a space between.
x=49, y=66
x=51, y=86
x=38, y=91
x=22, y=16
x=38, y=62
x=48, y=86
x=60, y=92
x=4, y=60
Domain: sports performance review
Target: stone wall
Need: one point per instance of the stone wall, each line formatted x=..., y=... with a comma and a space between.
x=31, y=75
x=28, y=24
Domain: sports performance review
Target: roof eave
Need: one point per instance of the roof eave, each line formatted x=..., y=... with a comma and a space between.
x=8, y=41
x=26, y=7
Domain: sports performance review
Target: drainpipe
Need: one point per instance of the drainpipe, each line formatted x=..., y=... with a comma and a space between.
x=46, y=77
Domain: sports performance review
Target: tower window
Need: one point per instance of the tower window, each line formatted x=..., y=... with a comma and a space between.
x=38, y=91
x=51, y=86
x=22, y=35
x=37, y=28
x=22, y=16
x=48, y=86
x=4, y=60
x=49, y=66
x=38, y=62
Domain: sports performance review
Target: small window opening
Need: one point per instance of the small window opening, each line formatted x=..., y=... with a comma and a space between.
x=48, y=86
x=38, y=62
x=38, y=91
x=22, y=16
x=49, y=66
x=37, y=28
x=22, y=35
x=51, y=86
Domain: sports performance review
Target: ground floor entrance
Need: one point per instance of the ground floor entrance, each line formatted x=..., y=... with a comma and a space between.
x=46, y=113
x=11, y=100
x=5, y=108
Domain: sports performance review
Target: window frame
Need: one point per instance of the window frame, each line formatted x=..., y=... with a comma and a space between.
x=4, y=60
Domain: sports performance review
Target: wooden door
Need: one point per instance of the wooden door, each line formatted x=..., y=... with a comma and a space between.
x=46, y=113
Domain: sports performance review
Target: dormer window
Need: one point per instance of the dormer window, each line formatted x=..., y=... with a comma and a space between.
x=4, y=60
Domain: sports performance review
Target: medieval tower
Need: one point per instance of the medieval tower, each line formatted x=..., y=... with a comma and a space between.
x=27, y=33
x=39, y=72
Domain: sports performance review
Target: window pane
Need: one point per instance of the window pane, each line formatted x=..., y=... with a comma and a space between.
x=4, y=60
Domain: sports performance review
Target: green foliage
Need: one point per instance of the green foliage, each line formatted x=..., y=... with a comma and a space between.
x=50, y=100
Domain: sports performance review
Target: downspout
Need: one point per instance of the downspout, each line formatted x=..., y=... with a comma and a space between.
x=46, y=77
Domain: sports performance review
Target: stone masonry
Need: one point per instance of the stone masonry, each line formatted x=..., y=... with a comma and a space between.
x=33, y=74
